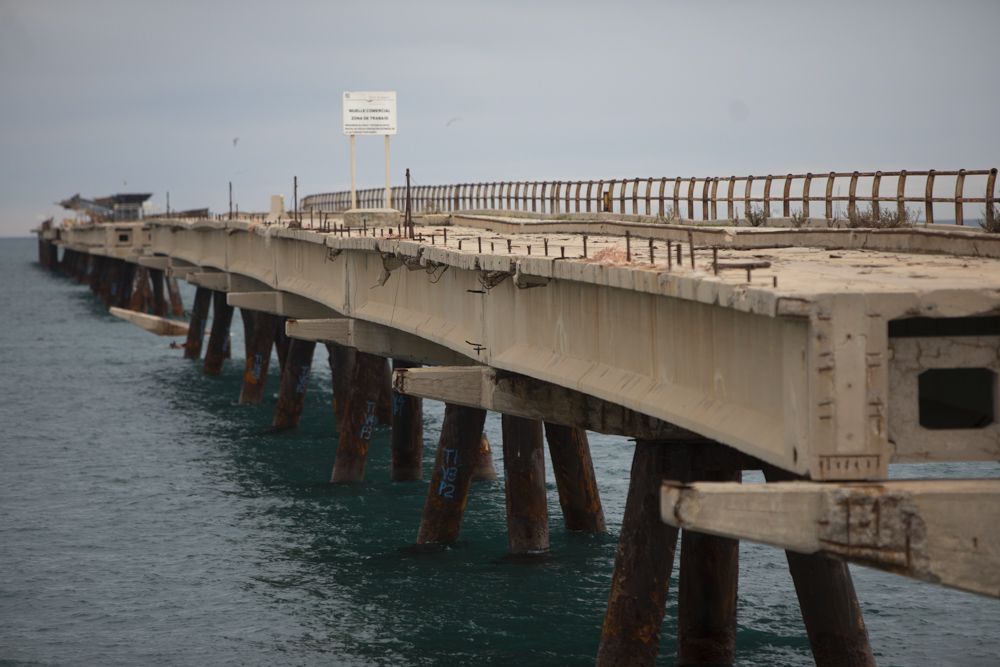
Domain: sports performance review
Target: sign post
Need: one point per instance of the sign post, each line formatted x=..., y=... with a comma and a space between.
x=371, y=113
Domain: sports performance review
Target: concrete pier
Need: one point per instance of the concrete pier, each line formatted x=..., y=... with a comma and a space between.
x=816, y=352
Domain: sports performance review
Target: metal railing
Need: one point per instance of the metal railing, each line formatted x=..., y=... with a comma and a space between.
x=699, y=198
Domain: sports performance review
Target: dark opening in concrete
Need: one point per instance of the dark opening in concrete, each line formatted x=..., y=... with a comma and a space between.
x=957, y=398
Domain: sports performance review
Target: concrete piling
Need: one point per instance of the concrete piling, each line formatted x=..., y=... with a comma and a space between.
x=281, y=341
x=159, y=300
x=524, y=485
x=358, y=417
x=137, y=293
x=196, y=327
x=294, y=379
x=643, y=562
x=383, y=410
x=573, y=470
x=218, y=340
x=448, y=492
x=407, y=433
x=174, y=295
x=829, y=605
x=341, y=366
x=259, y=341
x=706, y=596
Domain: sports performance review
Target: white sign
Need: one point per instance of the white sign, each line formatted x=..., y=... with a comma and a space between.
x=370, y=113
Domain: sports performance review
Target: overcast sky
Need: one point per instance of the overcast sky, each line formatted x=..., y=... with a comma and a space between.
x=101, y=97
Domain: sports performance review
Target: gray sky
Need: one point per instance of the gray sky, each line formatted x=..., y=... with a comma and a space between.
x=100, y=97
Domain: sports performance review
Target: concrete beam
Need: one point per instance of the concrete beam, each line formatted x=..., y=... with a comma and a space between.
x=160, y=326
x=284, y=304
x=522, y=396
x=221, y=281
x=159, y=262
x=375, y=339
x=910, y=527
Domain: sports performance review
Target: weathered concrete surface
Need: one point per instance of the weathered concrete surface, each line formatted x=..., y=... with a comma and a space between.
x=941, y=531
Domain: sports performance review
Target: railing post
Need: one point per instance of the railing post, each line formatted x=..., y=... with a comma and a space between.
x=746, y=196
x=704, y=197
x=901, y=195
x=829, y=194
x=767, y=195
x=805, y=193
x=786, y=203
x=690, y=198
x=959, y=208
x=929, y=197
x=662, y=205
x=715, y=198
x=852, y=194
x=677, y=196
x=730, y=213
x=991, y=184
x=876, y=188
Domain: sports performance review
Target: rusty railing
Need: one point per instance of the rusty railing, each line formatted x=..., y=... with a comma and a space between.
x=700, y=198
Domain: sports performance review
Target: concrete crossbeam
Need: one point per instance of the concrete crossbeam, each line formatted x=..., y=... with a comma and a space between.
x=284, y=304
x=941, y=531
x=522, y=396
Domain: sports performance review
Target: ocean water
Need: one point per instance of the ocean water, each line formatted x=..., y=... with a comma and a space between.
x=147, y=519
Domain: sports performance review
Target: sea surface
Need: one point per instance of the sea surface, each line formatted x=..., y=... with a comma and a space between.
x=148, y=519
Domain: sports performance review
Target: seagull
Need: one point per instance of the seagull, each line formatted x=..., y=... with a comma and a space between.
x=452, y=120
x=235, y=141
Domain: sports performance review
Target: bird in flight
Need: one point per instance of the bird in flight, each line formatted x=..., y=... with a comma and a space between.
x=452, y=120
x=235, y=141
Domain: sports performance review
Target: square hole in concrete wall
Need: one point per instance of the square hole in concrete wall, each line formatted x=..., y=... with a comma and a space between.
x=123, y=238
x=957, y=398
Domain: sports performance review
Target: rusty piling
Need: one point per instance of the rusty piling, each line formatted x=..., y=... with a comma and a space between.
x=407, y=433
x=218, y=339
x=573, y=469
x=448, y=491
x=294, y=379
x=643, y=562
x=196, y=326
x=259, y=341
x=706, y=595
x=829, y=605
x=524, y=485
x=358, y=418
